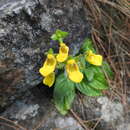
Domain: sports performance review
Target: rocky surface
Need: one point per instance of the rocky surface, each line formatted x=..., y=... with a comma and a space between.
x=35, y=111
x=25, y=30
x=105, y=113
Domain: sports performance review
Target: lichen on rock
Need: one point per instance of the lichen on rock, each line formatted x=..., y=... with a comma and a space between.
x=25, y=30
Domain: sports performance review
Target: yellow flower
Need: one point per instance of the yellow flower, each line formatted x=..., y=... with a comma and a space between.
x=63, y=53
x=93, y=58
x=73, y=71
x=49, y=79
x=48, y=66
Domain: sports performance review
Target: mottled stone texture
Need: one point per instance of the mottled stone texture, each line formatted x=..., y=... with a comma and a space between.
x=36, y=110
x=25, y=30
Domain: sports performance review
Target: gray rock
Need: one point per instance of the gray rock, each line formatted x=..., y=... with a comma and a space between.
x=110, y=111
x=35, y=110
x=110, y=114
x=25, y=30
x=124, y=126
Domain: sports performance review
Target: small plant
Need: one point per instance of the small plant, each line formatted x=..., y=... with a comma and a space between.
x=83, y=72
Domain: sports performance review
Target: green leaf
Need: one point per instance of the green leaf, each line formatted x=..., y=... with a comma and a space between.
x=64, y=93
x=87, y=45
x=91, y=70
x=101, y=78
x=107, y=69
x=87, y=90
x=60, y=65
x=96, y=78
x=82, y=62
x=54, y=37
x=50, y=51
x=98, y=85
x=89, y=73
x=99, y=69
x=96, y=69
x=59, y=35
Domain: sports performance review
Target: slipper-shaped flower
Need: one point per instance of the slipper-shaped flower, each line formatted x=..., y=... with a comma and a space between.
x=63, y=53
x=93, y=58
x=49, y=79
x=73, y=71
x=48, y=66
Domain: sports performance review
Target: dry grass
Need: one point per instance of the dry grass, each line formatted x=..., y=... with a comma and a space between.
x=8, y=124
x=110, y=23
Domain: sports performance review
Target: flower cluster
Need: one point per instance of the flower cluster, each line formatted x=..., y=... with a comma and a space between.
x=71, y=66
x=83, y=72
